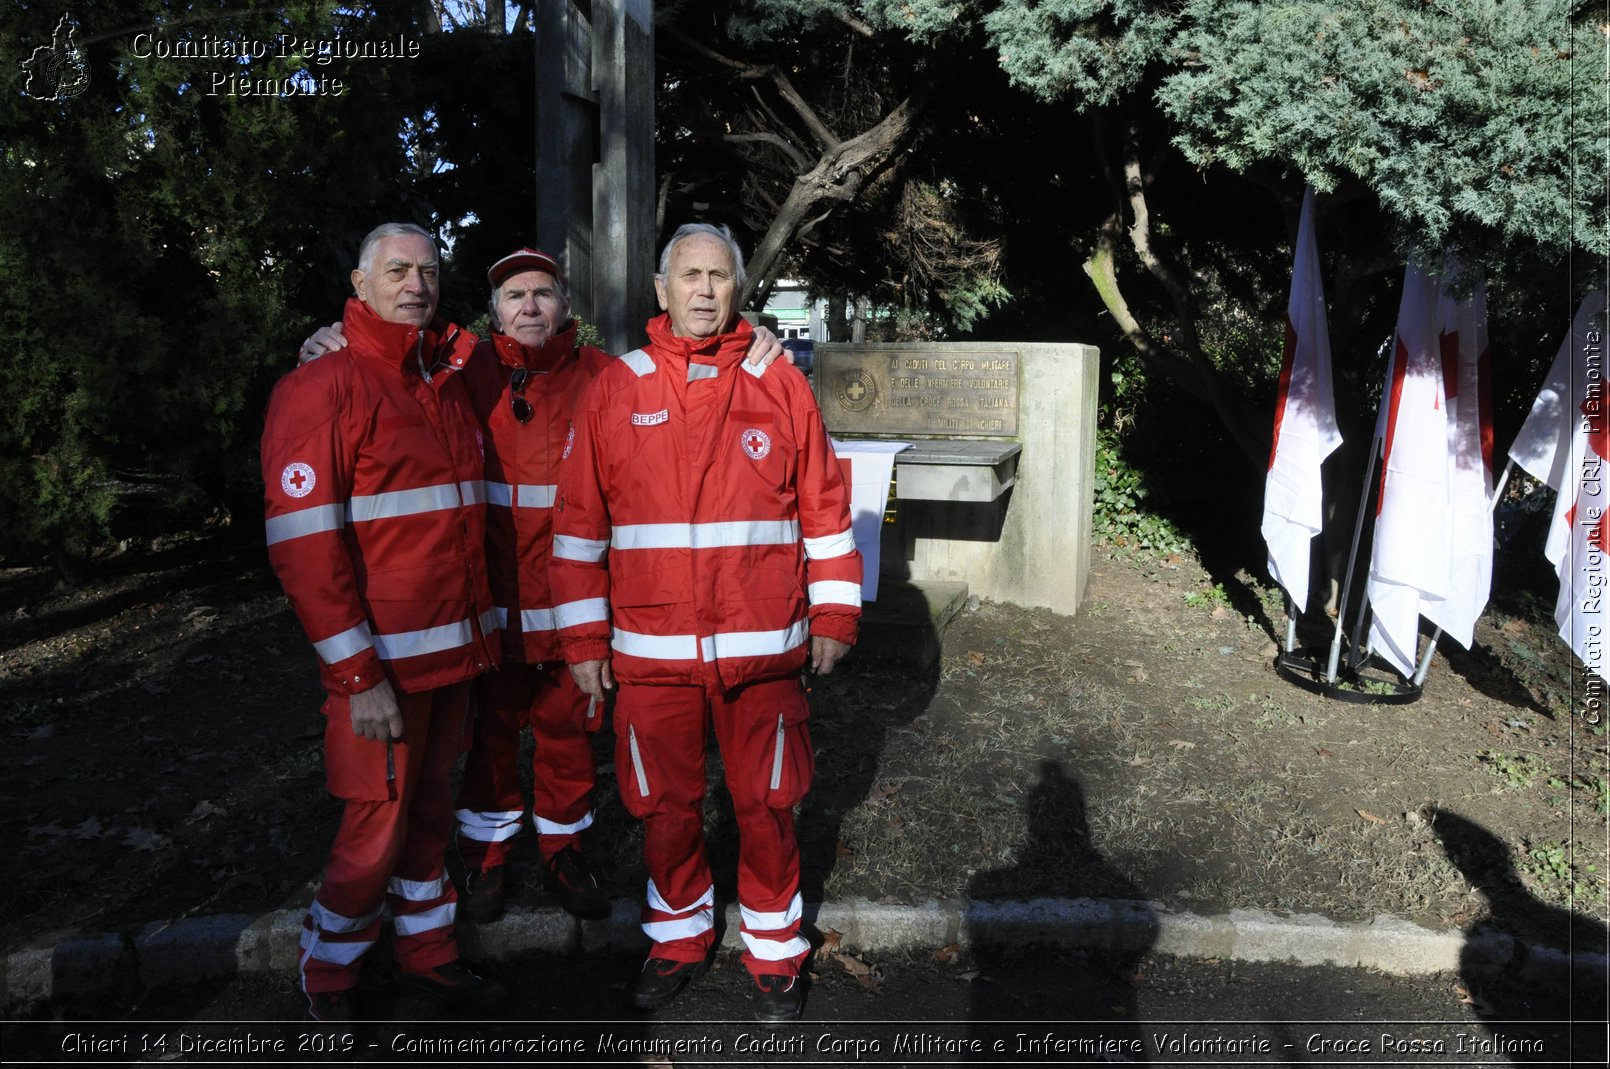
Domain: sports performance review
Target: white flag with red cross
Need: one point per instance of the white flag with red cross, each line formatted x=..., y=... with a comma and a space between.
x=1409, y=558
x=1565, y=443
x=1467, y=387
x=1305, y=431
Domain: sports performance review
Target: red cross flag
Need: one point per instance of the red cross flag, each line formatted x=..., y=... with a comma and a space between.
x=1565, y=443
x=1467, y=387
x=1305, y=422
x=1433, y=549
x=1408, y=562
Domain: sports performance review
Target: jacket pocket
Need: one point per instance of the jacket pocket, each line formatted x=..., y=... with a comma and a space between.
x=354, y=767
x=792, y=762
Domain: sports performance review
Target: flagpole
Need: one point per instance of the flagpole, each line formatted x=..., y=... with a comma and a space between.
x=1352, y=561
x=1291, y=625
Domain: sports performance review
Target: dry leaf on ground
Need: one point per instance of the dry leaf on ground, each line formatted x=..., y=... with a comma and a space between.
x=1371, y=817
x=948, y=954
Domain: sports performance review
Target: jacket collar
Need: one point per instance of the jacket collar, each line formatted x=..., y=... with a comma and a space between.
x=721, y=350
x=545, y=358
x=398, y=344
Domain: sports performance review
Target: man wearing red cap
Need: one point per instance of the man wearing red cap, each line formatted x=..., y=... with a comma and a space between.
x=525, y=381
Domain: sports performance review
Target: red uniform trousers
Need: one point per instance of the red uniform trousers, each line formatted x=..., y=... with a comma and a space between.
x=661, y=735
x=490, y=807
x=388, y=851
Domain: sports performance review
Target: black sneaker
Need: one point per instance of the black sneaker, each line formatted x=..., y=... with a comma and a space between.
x=482, y=900
x=777, y=999
x=573, y=881
x=459, y=986
x=663, y=980
x=330, y=1006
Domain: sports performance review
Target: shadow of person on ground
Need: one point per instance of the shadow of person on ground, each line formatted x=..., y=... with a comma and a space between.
x=1535, y=971
x=1057, y=875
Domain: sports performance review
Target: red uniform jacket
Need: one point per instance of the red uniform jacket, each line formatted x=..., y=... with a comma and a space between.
x=702, y=506
x=376, y=516
x=522, y=473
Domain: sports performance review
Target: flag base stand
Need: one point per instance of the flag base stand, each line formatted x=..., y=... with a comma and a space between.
x=1365, y=684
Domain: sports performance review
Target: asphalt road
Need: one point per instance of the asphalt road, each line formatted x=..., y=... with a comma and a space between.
x=1018, y=1010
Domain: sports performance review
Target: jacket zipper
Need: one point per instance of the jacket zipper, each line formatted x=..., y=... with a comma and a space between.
x=777, y=756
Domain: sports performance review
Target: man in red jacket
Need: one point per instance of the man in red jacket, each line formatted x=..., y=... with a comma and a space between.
x=525, y=382
x=702, y=557
x=372, y=473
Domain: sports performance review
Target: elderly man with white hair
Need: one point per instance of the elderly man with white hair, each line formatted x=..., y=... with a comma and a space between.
x=702, y=558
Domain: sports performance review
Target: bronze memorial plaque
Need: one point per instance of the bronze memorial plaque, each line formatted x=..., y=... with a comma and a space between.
x=917, y=390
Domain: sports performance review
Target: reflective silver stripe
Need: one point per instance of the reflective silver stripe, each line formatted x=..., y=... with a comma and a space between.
x=702, y=371
x=305, y=522
x=534, y=496
x=418, y=643
x=770, y=922
x=777, y=759
x=489, y=826
x=407, y=502
x=349, y=643
x=834, y=592
x=500, y=494
x=658, y=904
x=427, y=921
x=333, y=953
x=586, y=611
x=327, y=920
x=637, y=767
x=501, y=615
x=416, y=890
x=549, y=827
x=775, y=950
x=492, y=619
x=829, y=546
x=472, y=491
x=705, y=535
x=656, y=647
x=639, y=361
x=536, y=620
x=683, y=928
x=587, y=550
x=754, y=643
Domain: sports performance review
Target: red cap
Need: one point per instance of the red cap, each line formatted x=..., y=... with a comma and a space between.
x=526, y=259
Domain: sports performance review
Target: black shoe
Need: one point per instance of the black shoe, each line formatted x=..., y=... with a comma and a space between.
x=663, y=980
x=777, y=999
x=330, y=1006
x=459, y=986
x=573, y=881
x=482, y=900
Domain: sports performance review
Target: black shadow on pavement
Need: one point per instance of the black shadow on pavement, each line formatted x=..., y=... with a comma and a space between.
x=1519, y=996
x=1096, y=1006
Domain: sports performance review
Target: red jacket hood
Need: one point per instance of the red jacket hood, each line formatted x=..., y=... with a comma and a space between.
x=396, y=343
x=722, y=350
x=546, y=357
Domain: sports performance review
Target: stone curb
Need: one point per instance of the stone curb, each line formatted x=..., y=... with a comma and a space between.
x=195, y=949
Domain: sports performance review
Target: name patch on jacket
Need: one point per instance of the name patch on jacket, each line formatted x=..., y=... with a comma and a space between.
x=649, y=419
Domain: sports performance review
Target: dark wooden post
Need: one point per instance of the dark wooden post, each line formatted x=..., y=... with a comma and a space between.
x=565, y=145
x=623, y=179
x=595, y=158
